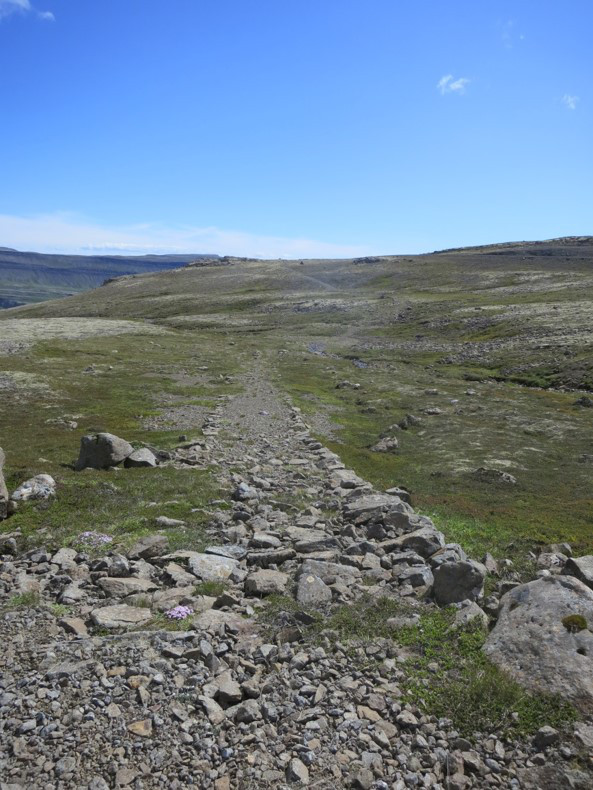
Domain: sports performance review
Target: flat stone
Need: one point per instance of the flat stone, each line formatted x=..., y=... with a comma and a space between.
x=127, y=585
x=266, y=582
x=148, y=547
x=73, y=625
x=211, y=567
x=120, y=616
x=143, y=727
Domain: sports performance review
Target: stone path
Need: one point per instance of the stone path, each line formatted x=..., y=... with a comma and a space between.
x=85, y=702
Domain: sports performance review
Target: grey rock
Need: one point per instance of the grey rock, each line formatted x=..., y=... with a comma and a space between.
x=120, y=587
x=415, y=575
x=425, y=542
x=312, y=591
x=329, y=572
x=546, y=736
x=470, y=614
x=531, y=642
x=486, y=475
x=120, y=616
x=148, y=547
x=165, y=521
x=389, y=444
x=141, y=458
x=211, y=567
x=458, y=581
x=102, y=450
x=266, y=582
x=38, y=487
x=581, y=568
x=297, y=772
x=364, y=508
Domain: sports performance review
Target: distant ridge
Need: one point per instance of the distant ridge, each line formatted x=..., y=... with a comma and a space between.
x=560, y=241
x=27, y=277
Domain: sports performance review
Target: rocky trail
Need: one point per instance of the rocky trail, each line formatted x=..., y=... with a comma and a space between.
x=105, y=694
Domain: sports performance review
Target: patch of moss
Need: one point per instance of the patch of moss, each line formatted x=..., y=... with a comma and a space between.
x=574, y=623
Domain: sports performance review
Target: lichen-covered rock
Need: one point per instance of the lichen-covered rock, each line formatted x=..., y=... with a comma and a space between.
x=102, y=450
x=312, y=591
x=38, y=487
x=532, y=642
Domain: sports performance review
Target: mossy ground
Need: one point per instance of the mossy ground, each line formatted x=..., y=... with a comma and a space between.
x=124, y=503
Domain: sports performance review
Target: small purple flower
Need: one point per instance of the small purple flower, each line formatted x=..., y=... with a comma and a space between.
x=94, y=539
x=179, y=612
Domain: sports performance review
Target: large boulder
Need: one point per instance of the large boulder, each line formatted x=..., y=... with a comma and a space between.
x=543, y=638
x=458, y=581
x=3, y=489
x=102, y=450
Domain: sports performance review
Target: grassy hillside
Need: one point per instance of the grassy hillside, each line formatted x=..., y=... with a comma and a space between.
x=33, y=277
x=489, y=348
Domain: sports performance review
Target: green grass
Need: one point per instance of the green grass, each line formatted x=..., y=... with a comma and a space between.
x=24, y=600
x=212, y=588
x=539, y=433
x=114, y=503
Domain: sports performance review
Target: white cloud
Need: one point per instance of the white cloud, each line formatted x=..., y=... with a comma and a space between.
x=69, y=233
x=570, y=101
x=8, y=7
x=447, y=84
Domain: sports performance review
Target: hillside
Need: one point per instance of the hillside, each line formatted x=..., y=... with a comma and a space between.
x=33, y=277
x=341, y=534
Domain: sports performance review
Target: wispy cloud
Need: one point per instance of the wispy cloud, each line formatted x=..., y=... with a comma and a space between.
x=570, y=101
x=448, y=84
x=9, y=7
x=509, y=33
x=70, y=233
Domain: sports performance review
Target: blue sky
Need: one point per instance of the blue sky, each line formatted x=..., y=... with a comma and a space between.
x=293, y=127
